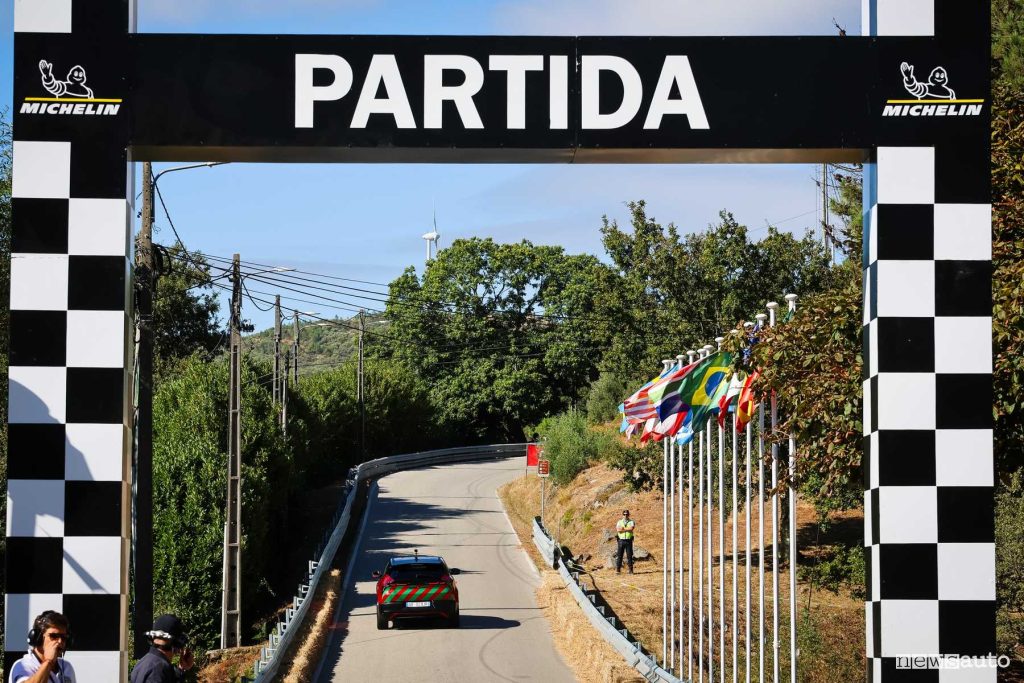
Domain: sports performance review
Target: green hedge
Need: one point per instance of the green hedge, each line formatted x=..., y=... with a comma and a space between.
x=189, y=493
x=190, y=466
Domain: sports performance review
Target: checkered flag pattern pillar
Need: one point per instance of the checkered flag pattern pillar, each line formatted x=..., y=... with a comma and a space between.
x=70, y=414
x=929, y=531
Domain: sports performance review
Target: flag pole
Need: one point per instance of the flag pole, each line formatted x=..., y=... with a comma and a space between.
x=711, y=550
x=772, y=308
x=689, y=539
x=761, y=318
x=664, y=546
x=791, y=301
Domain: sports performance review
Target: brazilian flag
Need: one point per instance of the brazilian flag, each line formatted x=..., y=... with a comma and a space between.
x=699, y=391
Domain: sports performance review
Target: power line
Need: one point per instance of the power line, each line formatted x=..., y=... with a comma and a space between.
x=411, y=302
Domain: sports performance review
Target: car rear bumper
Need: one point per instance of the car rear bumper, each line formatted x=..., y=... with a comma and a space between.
x=438, y=608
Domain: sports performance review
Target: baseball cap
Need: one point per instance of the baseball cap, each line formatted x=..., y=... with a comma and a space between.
x=169, y=627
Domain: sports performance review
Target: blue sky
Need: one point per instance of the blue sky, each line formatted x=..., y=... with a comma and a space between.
x=365, y=221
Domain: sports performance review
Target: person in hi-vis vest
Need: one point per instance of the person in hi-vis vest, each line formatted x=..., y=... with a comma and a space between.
x=624, y=532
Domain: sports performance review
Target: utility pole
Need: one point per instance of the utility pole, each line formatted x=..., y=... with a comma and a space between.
x=824, y=206
x=284, y=396
x=277, y=349
x=231, y=614
x=295, y=315
x=143, y=518
x=360, y=394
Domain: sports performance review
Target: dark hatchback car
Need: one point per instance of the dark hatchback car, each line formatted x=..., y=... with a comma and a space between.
x=415, y=586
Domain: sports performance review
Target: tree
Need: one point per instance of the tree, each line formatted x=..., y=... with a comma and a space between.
x=674, y=292
x=185, y=308
x=499, y=332
x=189, y=488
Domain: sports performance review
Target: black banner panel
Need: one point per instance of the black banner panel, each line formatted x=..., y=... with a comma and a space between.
x=429, y=98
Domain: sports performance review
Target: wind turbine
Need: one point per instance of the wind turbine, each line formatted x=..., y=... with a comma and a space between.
x=432, y=236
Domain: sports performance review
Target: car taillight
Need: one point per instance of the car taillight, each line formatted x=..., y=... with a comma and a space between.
x=387, y=580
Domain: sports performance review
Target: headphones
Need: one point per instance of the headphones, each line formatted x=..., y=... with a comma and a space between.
x=180, y=641
x=39, y=626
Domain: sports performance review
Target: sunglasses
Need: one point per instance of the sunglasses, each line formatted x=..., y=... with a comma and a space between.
x=165, y=647
x=57, y=636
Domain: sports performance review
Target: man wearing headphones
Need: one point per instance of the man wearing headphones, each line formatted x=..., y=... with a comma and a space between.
x=167, y=639
x=44, y=662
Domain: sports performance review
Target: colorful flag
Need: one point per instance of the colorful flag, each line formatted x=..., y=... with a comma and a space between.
x=638, y=408
x=745, y=406
x=666, y=394
x=648, y=432
x=625, y=422
x=735, y=386
x=696, y=394
x=711, y=385
x=685, y=433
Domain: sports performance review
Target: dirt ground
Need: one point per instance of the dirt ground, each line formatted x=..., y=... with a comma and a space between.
x=582, y=516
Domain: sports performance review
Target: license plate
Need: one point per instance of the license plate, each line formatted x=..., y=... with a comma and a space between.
x=418, y=604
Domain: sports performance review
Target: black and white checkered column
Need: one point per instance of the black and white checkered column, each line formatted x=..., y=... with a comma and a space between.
x=928, y=393
x=71, y=343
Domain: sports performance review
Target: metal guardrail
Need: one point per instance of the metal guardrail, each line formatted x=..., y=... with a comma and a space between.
x=544, y=544
x=269, y=663
x=594, y=607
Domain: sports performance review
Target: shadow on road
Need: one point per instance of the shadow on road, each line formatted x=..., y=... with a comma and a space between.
x=469, y=622
x=394, y=520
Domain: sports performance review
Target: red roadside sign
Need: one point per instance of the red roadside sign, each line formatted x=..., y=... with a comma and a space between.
x=532, y=454
x=543, y=468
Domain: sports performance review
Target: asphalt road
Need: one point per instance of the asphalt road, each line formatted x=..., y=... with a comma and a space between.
x=452, y=511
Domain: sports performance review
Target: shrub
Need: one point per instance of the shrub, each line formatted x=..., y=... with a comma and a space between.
x=189, y=488
x=641, y=465
x=1010, y=564
x=570, y=444
x=604, y=397
x=844, y=565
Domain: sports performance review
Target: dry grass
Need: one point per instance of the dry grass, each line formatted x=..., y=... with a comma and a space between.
x=591, y=658
x=830, y=635
x=314, y=635
x=228, y=666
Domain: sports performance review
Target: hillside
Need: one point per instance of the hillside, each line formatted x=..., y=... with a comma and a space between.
x=321, y=344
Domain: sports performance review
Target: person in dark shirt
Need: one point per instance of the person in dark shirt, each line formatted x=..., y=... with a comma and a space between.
x=167, y=639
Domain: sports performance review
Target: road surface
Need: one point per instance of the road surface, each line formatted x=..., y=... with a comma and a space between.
x=452, y=511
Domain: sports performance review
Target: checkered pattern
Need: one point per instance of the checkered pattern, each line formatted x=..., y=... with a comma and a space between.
x=69, y=453
x=929, y=531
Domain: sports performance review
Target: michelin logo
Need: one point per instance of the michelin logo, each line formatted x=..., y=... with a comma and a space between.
x=931, y=98
x=934, y=89
x=70, y=96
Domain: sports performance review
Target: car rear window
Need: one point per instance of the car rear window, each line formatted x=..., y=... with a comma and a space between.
x=415, y=573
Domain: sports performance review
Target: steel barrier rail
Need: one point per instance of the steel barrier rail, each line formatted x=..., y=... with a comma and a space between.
x=606, y=626
x=544, y=544
x=284, y=633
